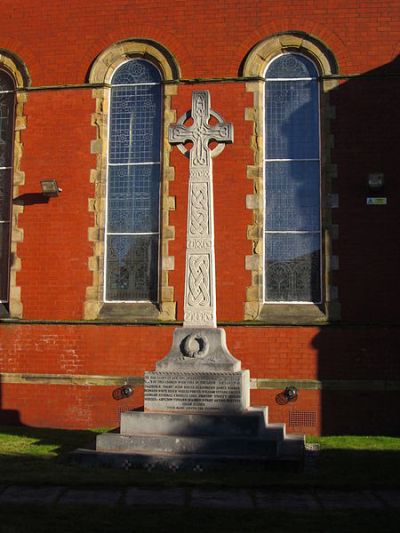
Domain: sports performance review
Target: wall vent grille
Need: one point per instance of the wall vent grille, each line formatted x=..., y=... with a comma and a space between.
x=305, y=419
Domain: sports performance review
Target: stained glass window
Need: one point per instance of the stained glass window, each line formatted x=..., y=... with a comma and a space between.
x=133, y=184
x=292, y=181
x=7, y=98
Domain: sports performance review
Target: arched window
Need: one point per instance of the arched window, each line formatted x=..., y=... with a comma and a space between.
x=7, y=107
x=133, y=183
x=293, y=231
x=131, y=233
x=292, y=222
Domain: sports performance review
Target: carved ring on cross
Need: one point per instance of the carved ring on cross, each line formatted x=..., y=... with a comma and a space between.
x=187, y=116
x=196, y=346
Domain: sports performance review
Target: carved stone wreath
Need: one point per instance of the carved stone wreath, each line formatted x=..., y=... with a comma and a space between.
x=195, y=346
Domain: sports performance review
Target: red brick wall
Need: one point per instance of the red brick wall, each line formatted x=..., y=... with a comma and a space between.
x=287, y=353
x=58, y=44
x=55, y=249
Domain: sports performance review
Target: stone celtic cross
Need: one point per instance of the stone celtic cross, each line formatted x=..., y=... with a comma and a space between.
x=199, y=300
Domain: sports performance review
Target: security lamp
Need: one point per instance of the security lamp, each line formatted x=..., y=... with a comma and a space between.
x=122, y=392
x=376, y=181
x=50, y=188
x=290, y=394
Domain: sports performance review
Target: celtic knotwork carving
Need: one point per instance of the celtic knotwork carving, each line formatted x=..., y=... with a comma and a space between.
x=200, y=104
x=199, y=174
x=196, y=346
x=200, y=133
x=197, y=317
x=200, y=157
x=199, y=210
x=199, y=280
x=208, y=133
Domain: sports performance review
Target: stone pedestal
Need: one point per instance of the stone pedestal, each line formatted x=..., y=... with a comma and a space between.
x=198, y=375
x=199, y=350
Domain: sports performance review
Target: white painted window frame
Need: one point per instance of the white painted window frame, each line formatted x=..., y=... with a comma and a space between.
x=265, y=232
x=159, y=163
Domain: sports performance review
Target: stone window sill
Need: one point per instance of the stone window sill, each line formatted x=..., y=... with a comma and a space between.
x=297, y=314
x=130, y=312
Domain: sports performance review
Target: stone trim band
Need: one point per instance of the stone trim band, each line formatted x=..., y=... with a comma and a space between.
x=378, y=385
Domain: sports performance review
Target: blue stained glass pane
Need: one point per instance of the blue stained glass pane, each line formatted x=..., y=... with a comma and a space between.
x=4, y=260
x=292, y=126
x=133, y=198
x=291, y=66
x=292, y=196
x=135, y=124
x=6, y=128
x=134, y=183
x=5, y=194
x=292, y=268
x=136, y=71
x=132, y=264
x=6, y=82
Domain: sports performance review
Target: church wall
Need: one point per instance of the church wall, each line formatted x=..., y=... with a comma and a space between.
x=64, y=375
x=58, y=370
x=55, y=248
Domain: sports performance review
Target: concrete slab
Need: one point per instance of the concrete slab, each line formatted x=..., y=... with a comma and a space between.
x=232, y=499
x=34, y=495
x=155, y=498
x=338, y=499
x=390, y=497
x=291, y=500
x=91, y=497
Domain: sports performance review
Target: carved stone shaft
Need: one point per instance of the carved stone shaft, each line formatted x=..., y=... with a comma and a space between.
x=200, y=298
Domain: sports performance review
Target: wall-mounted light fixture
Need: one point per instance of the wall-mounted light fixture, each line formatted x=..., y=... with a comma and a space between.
x=376, y=185
x=122, y=392
x=376, y=181
x=290, y=394
x=50, y=188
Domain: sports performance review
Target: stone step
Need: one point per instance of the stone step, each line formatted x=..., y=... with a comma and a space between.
x=227, y=446
x=292, y=446
x=248, y=423
x=152, y=459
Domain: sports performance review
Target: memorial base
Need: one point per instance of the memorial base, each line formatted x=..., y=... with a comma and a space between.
x=196, y=416
x=195, y=442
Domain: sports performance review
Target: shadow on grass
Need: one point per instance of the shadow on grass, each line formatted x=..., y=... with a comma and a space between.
x=37, y=456
x=59, y=441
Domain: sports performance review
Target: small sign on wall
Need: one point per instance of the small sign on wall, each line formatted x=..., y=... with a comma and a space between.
x=377, y=201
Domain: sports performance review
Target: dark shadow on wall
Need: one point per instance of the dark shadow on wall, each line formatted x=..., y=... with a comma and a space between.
x=366, y=136
x=8, y=416
x=31, y=199
x=359, y=368
x=358, y=361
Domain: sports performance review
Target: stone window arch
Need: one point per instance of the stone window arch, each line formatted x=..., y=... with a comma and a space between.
x=130, y=181
x=14, y=79
x=289, y=286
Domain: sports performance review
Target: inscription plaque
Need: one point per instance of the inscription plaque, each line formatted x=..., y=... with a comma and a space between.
x=196, y=391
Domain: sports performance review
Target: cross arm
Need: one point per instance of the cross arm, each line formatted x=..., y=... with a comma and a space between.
x=179, y=134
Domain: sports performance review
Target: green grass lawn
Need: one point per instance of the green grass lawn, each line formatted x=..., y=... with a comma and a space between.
x=40, y=456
